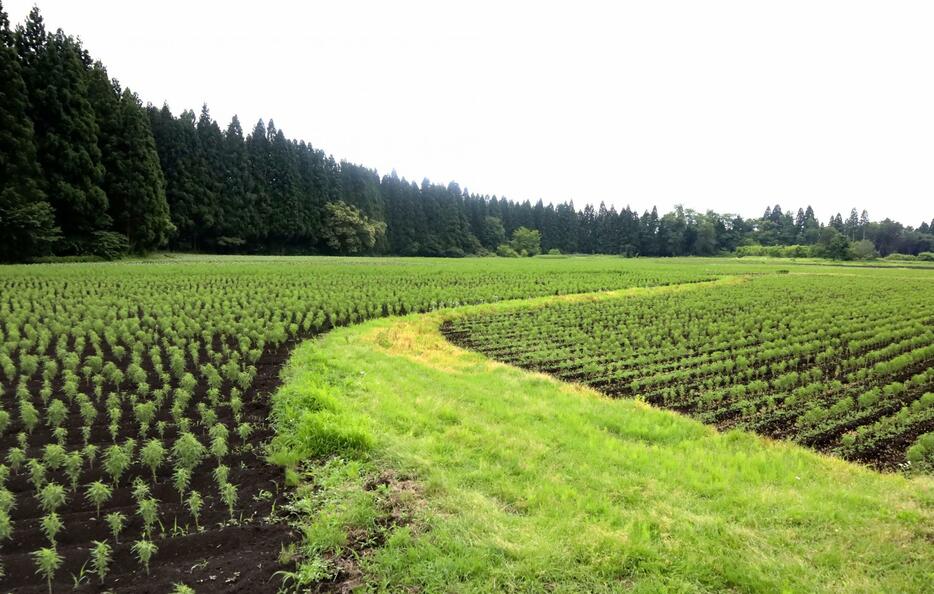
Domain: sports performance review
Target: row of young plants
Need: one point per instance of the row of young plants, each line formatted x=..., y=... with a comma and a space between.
x=839, y=363
x=130, y=395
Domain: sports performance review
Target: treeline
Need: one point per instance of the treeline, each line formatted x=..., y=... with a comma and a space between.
x=86, y=169
x=78, y=164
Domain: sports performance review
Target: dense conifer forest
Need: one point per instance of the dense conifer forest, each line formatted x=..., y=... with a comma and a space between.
x=86, y=169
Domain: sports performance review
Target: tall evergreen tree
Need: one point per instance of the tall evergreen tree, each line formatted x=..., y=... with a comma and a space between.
x=192, y=204
x=209, y=164
x=27, y=221
x=65, y=126
x=133, y=179
x=851, y=226
x=239, y=221
x=863, y=223
x=567, y=227
x=319, y=185
x=104, y=97
x=286, y=223
x=258, y=151
x=135, y=182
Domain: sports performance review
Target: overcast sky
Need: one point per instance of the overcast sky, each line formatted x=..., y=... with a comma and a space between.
x=720, y=105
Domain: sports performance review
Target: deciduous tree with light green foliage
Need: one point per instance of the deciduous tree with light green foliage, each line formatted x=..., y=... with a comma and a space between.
x=348, y=231
x=526, y=242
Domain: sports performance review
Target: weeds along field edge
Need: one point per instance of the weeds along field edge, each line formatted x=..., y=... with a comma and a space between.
x=421, y=465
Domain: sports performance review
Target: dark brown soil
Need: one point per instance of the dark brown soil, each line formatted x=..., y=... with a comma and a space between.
x=239, y=554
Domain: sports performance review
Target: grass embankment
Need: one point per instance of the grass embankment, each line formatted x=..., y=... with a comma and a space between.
x=458, y=474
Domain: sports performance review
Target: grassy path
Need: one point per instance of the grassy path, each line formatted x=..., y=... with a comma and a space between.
x=454, y=473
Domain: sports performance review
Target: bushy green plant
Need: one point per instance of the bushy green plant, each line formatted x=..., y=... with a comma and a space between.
x=195, y=505
x=55, y=413
x=109, y=245
x=144, y=551
x=6, y=525
x=152, y=455
x=29, y=416
x=51, y=497
x=116, y=462
x=148, y=511
x=244, y=431
x=16, y=457
x=229, y=497
x=115, y=522
x=188, y=451
x=140, y=489
x=53, y=455
x=90, y=453
x=101, y=556
x=98, y=493
x=181, y=478
x=921, y=452
x=74, y=461
x=51, y=524
x=219, y=447
x=220, y=474
x=7, y=500
x=37, y=473
x=48, y=561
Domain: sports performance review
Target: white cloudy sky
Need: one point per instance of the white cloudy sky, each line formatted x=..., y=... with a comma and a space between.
x=730, y=105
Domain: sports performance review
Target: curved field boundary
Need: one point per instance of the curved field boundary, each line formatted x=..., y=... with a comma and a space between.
x=838, y=364
x=436, y=469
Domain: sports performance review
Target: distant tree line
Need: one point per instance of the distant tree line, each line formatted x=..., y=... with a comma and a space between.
x=87, y=169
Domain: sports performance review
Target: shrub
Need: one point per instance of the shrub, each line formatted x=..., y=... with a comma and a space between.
x=109, y=245
x=863, y=250
x=921, y=453
x=505, y=251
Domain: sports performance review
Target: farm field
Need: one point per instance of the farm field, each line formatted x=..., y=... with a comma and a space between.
x=842, y=364
x=450, y=472
x=133, y=400
x=144, y=426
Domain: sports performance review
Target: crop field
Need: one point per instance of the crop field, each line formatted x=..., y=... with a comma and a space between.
x=134, y=401
x=138, y=399
x=840, y=363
